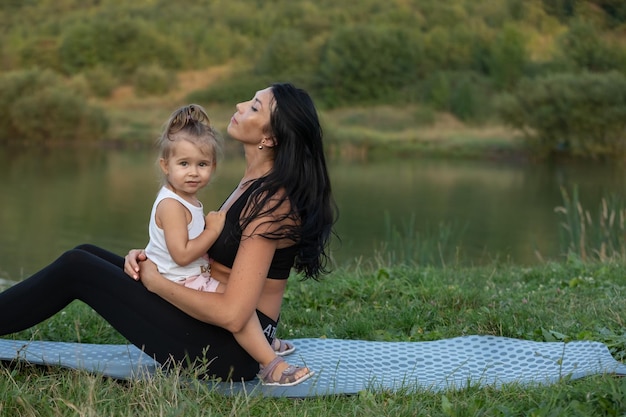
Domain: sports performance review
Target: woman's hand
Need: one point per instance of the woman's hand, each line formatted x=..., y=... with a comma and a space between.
x=149, y=274
x=131, y=262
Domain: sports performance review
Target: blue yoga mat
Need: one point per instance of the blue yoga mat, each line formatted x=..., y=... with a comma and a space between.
x=350, y=366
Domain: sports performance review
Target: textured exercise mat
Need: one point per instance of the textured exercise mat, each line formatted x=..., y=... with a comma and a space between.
x=350, y=366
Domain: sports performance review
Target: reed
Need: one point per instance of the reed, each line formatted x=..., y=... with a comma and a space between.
x=598, y=236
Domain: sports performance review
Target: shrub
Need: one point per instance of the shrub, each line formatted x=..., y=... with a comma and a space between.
x=101, y=81
x=583, y=46
x=121, y=43
x=56, y=114
x=287, y=56
x=462, y=93
x=366, y=64
x=37, y=106
x=42, y=53
x=508, y=58
x=15, y=85
x=580, y=114
x=153, y=80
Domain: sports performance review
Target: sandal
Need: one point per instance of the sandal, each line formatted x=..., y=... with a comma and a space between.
x=287, y=377
x=283, y=348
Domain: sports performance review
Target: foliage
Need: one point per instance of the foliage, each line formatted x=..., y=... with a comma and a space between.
x=452, y=55
x=461, y=47
x=508, y=58
x=582, y=114
x=101, y=81
x=153, y=80
x=367, y=64
x=286, y=57
x=41, y=52
x=37, y=106
x=583, y=46
x=461, y=93
x=562, y=9
x=124, y=44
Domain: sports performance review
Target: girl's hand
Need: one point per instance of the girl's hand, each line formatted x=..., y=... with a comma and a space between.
x=214, y=221
x=131, y=262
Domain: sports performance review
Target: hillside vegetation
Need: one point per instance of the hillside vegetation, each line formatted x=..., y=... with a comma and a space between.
x=545, y=68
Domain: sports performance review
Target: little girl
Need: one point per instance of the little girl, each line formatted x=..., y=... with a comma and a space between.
x=180, y=234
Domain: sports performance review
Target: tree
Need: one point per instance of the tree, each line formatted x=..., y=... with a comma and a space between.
x=37, y=106
x=366, y=63
x=578, y=114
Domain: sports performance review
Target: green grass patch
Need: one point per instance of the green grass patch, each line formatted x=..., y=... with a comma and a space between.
x=376, y=301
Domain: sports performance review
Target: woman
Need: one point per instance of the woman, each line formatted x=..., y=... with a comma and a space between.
x=280, y=216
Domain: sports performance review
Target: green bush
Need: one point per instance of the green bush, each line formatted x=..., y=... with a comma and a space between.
x=38, y=106
x=101, y=81
x=508, y=58
x=42, y=53
x=153, y=80
x=15, y=85
x=366, y=64
x=56, y=114
x=578, y=114
x=583, y=46
x=121, y=43
x=286, y=56
x=458, y=48
x=465, y=94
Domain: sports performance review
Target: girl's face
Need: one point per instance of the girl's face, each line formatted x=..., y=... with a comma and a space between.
x=250, y=123
x=188, y=170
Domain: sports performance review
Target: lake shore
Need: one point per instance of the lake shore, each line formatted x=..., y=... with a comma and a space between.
x=353, y=133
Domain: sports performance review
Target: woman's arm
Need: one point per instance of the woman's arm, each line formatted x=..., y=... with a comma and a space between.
x=231, y=309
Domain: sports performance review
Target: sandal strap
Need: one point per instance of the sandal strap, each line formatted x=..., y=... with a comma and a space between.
x=287, y=377
x=284, y=348
x=267, y=371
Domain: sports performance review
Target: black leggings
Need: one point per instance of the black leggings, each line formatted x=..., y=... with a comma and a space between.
x=96, y=277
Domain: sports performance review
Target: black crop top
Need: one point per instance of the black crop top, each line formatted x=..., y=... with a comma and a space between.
x=225, y=247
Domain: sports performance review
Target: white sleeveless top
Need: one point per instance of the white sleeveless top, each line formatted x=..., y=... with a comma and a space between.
x=156, y=250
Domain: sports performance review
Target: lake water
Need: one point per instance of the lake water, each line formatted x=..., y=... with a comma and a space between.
x=54, y=200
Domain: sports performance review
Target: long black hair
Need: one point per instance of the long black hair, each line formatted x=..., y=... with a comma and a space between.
x=300, y=170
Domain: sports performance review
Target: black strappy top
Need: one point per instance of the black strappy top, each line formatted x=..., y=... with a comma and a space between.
x=225, y=247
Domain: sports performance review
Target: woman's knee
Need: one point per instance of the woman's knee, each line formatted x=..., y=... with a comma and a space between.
x=73, y=255
x=87, y=247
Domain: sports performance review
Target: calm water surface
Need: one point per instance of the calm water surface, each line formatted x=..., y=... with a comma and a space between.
x=54, y=200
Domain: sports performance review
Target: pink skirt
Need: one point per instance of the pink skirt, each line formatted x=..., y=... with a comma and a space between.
x=203, y=282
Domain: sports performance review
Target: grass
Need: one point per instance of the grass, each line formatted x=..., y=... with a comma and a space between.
x=593, y=236
x=566, y=301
